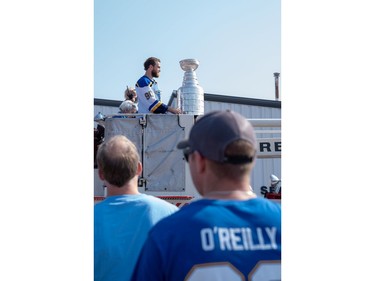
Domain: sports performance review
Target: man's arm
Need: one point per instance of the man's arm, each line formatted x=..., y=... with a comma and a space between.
x=174, y=110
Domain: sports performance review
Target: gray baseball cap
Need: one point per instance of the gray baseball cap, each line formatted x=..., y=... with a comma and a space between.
x=214, y=131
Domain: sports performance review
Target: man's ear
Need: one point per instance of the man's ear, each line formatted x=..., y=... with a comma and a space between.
x=139, y=169
x=200, y=161
x=100, y=173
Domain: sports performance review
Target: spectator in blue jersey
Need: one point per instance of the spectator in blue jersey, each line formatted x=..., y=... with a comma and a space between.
x=123, y=219
x=228, y=234
x=148, y=91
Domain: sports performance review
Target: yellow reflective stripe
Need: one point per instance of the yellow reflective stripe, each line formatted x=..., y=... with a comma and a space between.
x=156, y=106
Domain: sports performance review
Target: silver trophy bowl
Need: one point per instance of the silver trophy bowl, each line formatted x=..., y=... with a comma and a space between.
x=189, y=64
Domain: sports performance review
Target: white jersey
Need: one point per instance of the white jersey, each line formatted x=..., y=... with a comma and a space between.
x=147, y=92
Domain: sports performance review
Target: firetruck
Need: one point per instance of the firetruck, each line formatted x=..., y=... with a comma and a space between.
x=165, y=173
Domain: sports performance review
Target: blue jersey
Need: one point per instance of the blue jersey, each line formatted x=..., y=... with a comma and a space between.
x=121, y=225
x=148, y=101
x=215, y=240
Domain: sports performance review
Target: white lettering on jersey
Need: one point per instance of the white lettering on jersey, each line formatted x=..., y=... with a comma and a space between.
x=207, y=239
x=239, y=239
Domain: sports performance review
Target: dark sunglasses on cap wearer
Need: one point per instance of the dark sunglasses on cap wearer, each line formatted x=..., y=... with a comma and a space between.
x=187, y=152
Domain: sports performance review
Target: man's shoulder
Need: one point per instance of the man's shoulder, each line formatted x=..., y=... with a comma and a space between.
x=184, y=214
x=153, y=200
x=144, y=81
x=273, y=205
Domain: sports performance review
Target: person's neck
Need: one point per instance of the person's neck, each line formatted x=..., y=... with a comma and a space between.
x=237, y=194
x=124, y=190
x=149, y=75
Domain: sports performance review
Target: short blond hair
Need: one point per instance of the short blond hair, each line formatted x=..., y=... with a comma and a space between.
x=118, y=159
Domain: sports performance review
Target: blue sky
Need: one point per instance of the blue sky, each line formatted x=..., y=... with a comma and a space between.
x=238, y=45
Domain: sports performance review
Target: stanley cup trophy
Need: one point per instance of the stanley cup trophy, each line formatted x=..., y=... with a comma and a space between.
x=191, y=94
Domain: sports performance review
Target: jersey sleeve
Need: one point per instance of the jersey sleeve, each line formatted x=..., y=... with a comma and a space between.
x=147, y=98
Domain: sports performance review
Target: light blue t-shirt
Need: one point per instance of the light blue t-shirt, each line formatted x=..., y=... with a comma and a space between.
x=121, y=225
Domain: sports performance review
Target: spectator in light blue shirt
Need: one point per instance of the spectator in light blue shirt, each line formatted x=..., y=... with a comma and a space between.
x=123, y=220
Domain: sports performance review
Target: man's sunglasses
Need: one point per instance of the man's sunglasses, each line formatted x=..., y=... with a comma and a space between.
x=187, y=152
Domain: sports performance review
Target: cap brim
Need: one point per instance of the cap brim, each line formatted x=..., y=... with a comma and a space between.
x=183, y=144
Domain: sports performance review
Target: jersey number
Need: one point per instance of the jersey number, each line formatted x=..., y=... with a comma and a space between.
x=263, y=271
